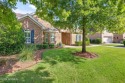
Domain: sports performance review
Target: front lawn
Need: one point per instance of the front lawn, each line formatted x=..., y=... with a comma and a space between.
x=60, y=66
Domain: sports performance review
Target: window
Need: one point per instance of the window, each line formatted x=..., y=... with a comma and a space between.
x=52, y=38
x=78, y=37
x=46, y=37
x=27, y=36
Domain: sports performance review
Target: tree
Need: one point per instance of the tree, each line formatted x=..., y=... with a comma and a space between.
x=11, y=34
x=86, y=14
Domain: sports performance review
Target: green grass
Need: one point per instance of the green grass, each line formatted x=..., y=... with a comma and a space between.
x=60, y=66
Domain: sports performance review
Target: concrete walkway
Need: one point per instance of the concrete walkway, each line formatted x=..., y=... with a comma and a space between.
x=68, y=46
x=115, y=46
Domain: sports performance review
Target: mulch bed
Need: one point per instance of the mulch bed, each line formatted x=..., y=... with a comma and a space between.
x=12, y=64
x=86, y=54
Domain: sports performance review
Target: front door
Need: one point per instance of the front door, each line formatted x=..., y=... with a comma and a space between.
x=66, y=38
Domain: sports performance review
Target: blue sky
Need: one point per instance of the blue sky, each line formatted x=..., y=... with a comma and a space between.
x=24, y=8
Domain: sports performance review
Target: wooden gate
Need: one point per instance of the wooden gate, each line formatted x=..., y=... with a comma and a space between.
x=66, y=38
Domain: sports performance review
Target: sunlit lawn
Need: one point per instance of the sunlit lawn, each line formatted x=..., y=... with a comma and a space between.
x=60, y=66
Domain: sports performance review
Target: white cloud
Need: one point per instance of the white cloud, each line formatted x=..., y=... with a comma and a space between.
x=32, y=6
x=22, y=11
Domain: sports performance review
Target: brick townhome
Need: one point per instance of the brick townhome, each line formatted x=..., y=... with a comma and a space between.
x=38, y=31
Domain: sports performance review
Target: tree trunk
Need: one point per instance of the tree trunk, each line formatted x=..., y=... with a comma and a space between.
x=83, y=40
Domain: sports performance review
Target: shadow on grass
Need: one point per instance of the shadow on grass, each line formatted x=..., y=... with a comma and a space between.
x=61, y=55
x=39, y=75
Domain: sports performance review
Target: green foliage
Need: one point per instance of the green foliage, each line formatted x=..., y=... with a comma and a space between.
x=11, y=33
x=45, y=46
x=39, y=46
x=124, y=42
x=51, y=45
x=60, y=45
x=27, y=53
x=96, y=41
x=45, y=43
x=79, y=43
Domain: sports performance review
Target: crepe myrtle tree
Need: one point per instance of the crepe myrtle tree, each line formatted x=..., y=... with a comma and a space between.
x=88, y=15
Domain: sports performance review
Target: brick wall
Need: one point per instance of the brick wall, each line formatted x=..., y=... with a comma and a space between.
x=27, y=23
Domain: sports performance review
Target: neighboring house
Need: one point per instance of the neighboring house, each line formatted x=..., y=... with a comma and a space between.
x=105, y=36
x=38, y=31
x=118, y=38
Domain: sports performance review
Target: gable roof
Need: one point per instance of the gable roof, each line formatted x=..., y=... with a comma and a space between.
x=46, y=26
x=34, y=20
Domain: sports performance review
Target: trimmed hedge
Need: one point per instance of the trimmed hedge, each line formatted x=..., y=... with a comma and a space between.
x=79, y=43
x=45, y=46
x=96, y=41
x=39, y=46
x=51, y=45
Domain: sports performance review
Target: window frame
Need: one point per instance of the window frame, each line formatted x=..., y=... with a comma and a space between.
x=78, y=37
x=52, y=37
x=27, y=36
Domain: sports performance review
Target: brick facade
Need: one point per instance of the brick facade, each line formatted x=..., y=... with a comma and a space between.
x=28, y=24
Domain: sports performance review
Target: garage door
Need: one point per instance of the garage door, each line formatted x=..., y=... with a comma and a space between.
x=107, y=39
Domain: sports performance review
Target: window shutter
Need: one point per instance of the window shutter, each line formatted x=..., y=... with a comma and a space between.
x=32, y=36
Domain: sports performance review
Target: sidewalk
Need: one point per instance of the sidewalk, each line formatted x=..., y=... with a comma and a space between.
x=68, y=46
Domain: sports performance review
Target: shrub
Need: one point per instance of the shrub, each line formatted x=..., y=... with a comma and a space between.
x=11, y=36
x=78, y=43
x=39, y=46
x=98, y=41
x=27, y=52
x=45, y=46
x=87, y=41
x=51, y=45
x=124, y=42
x=45, y=43
x=60, y=45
